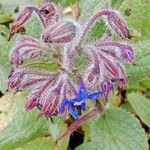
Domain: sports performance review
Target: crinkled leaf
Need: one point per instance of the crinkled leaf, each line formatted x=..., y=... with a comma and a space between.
x=56, y=127
x=116, y=129
x=127, y=107
x=89, y=7
x=116, y=3
x=34, y=27
x=145, y=83
x=5, y=18
x=66, y=2
x=5, y=104
x=43, y=143
x=4, y=57
x=141, y=106
x=12, y=6
x=141, y=69
x=24, y=127
x=137, y=15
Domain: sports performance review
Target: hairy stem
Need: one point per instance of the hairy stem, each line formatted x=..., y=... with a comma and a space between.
x=91, y=22
x=74, y=126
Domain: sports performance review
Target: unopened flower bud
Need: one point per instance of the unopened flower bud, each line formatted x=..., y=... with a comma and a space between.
x=63, y=32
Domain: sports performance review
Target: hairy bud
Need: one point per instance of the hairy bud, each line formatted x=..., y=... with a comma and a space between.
x=25, y=48
x=15, y=79
x=21, y=19
x=48, y=14
x=63, y=32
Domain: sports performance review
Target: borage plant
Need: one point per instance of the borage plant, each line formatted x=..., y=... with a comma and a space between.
x=66, y=89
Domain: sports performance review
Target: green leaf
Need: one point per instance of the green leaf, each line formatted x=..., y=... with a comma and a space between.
x=5, y=47
x=34, y=27
x=145, y=83
x=116, y=129
x=89, y=7
x=24, y=126
x=141, y=106
x=136, y=14
x=5, y=104
x=12, y=6
x=66, y=2
x=56, y=127
x=39, y=144
x=5, y=18
x=116, y=3
x=141, y=69
x=97, y=31
x=127, y=107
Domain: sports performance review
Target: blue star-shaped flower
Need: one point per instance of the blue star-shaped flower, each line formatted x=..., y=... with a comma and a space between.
x=79, y=100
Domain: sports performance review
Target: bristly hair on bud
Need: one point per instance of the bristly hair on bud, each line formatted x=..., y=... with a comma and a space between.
x=66, y=90
x=62, y=32
x=47, y=13
x=112, y=20
x=26, y=48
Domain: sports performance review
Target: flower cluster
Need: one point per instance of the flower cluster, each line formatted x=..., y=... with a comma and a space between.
x=55, y=93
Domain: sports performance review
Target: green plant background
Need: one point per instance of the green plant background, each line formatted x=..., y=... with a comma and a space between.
x=117, y=128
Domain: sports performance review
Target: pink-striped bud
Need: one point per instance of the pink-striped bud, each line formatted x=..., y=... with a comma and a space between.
x=113, y=20
x=62, y=32
x=118, y=51
x=127, y=53
x=50, y=101
x=14, y=80
x=21, y=18
x=110, y=66
x=26, y=48
x=68, y=91
x=93, y=75
x=32, y=101
x=35, y=97
x=48, y=14
x=117, y=24
x=106, y=89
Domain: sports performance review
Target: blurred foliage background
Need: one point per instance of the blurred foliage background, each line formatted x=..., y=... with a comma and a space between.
x=118, y=128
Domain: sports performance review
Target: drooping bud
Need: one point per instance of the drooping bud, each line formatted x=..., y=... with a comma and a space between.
x=48, y=14
x=106, y=89
x=35, y=97
x=117, y=24
x=62, y=32
x=14, y=80
x=118, y=51
x=32, y=101
x=25, y=48
x=68, y=90
x=50, y=102
x=52, y=98
x=21, y=18
x=93, y=76
x=127, y=53
x=110, y=66
x=93, y=73
x=113, y=20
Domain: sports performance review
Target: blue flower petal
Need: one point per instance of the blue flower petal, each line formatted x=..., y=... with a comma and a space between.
x=82, y=93
x=94, y=95
x=65, y=103
x=73, y=112
x=83, y=106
